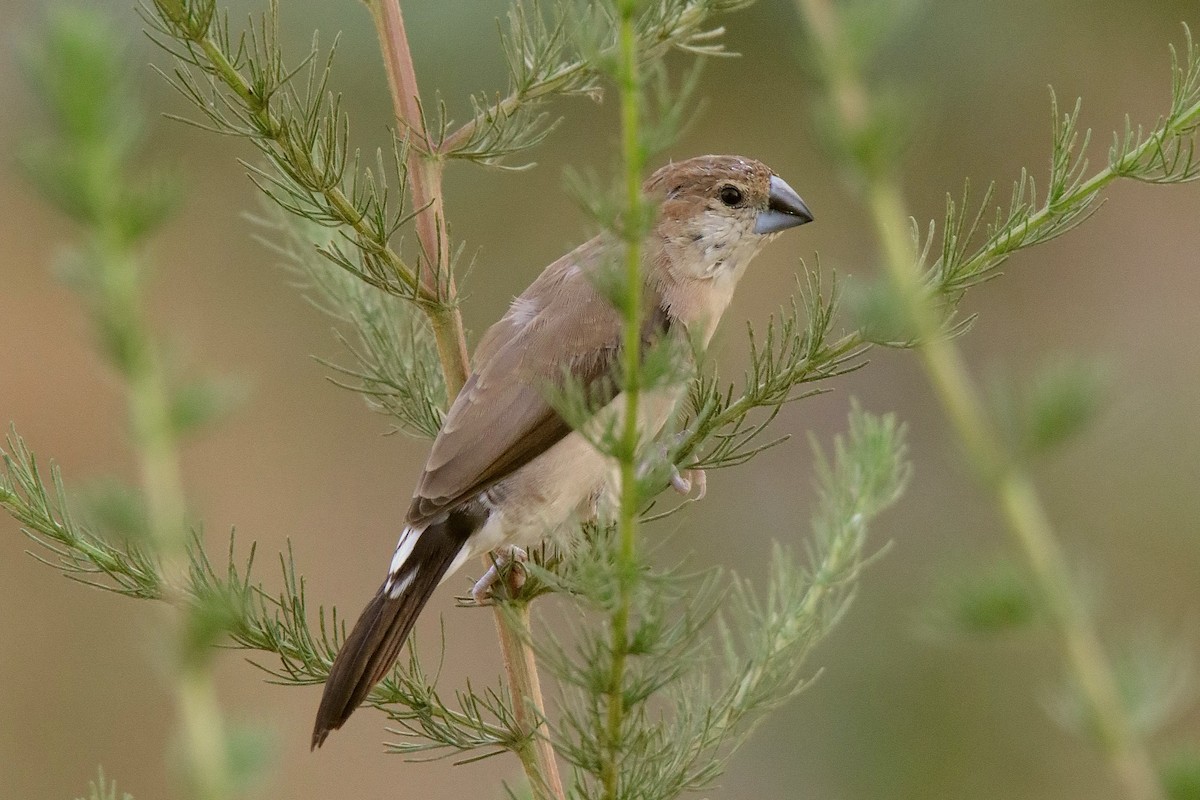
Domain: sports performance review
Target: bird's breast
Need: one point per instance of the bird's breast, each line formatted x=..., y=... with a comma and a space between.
x=533, y=502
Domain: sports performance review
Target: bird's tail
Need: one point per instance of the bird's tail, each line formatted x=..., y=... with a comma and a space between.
x=422, y=558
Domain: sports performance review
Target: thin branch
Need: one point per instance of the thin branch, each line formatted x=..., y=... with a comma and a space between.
x=515, y=630
x=425, y=182
x=309, y=156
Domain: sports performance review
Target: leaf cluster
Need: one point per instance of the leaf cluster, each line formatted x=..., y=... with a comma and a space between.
x=1164, y=154
x=243, y=87
x=390, y=344
x=86, y=166
x=83, y=163
x=567, y=48
x=707, y=655
x=799, y=348
x=227, y=606
x=43, y=510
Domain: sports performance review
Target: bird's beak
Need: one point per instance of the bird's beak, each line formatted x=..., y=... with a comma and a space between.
x=785, y=209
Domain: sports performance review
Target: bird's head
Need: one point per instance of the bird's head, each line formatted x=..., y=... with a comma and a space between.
x=716, y=212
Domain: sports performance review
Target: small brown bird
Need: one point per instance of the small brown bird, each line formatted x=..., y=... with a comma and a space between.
x=506, y=469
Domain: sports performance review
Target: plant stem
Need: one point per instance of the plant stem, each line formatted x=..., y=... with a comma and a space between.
x=537, y=755
x=431, y=287
x=1025, y=516
x=425, y=182
x=1007, y=479
x=155, y=442
x=509, y=105
x=632, y=158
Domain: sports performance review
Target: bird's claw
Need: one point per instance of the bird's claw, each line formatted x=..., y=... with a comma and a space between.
x=502, y=557
x=683, y=482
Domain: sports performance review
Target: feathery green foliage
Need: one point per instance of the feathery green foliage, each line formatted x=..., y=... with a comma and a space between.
x=560, y=49
x=391, y=345
x=708, y=653
x=1164, y=154
x=794, y=352
x=43, y=510
x=85, y=167
x=243, y=87
x=1105, y=702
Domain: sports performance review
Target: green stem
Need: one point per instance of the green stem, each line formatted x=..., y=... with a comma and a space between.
x=633, y=157
x=204, y=734
x=155, y=443
x=1008, y=480
x=510, y=104
x=1026, y=518
x=270, y=127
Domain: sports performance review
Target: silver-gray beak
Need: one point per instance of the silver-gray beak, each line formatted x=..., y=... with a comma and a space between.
x=785, y=209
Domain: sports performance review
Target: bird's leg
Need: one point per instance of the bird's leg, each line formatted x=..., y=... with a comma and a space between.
x=502, y=557
x=684, y=481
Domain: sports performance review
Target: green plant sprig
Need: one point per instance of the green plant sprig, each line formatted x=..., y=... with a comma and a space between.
x=793, y=353
x=301, y=132
x=253, y=617
x=390, y=343
x=928, y=298
x=1166, y=154
x=567, y=51
x=708, y=655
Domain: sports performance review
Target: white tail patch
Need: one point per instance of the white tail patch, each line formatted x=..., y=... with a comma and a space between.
x=461, y=558
x=396, y=588
x=398, y=579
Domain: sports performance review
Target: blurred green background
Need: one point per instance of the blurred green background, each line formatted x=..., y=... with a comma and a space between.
x=896, y=713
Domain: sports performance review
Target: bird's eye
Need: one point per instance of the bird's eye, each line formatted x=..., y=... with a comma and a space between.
x=730, y=195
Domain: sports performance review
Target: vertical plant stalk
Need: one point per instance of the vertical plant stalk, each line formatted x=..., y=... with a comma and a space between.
x=537, y=754
x=1009, y=481
x=199, y=712
x=425, y=169
x=634, y=224
x=155, y=443
x=425, y=183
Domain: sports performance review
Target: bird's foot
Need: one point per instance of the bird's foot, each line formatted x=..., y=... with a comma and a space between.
x=683, y=482
x=503, y=559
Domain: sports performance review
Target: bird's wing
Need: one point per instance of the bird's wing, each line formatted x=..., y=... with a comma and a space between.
x=501, y=419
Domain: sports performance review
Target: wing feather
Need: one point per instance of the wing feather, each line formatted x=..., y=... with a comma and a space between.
x=501, y=419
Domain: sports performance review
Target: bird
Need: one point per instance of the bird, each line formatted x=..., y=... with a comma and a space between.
x=506, y=468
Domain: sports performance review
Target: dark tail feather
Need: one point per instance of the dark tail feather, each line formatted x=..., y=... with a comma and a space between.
x=374, y=644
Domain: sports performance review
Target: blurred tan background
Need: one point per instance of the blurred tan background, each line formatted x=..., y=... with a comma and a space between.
x=896, y=714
